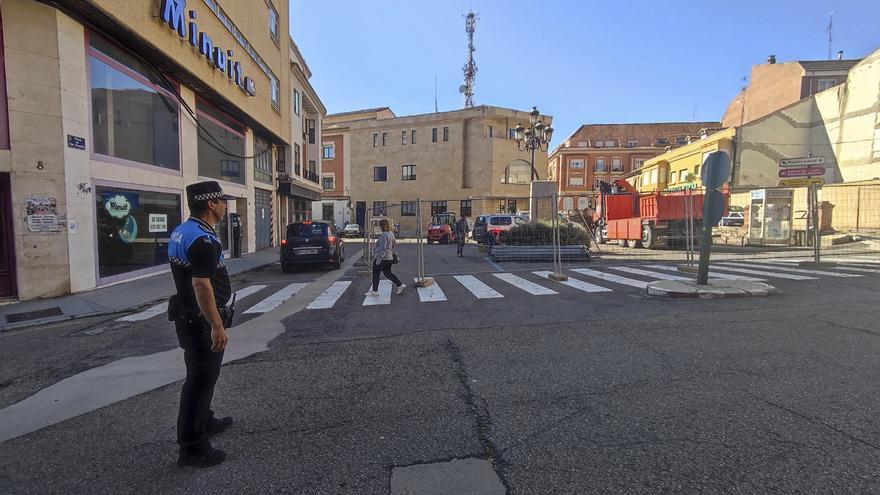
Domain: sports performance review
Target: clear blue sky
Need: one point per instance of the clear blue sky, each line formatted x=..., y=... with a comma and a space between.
x=579, y=61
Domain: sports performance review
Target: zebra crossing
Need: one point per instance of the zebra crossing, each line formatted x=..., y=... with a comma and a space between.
x=602, y=279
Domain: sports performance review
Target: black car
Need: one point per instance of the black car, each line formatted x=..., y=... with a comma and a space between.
x=479, y=231
x=311, y=242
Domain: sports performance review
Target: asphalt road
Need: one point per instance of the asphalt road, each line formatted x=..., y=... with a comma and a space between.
x=574, y=392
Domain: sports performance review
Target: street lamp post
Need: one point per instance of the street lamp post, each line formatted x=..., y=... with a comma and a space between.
x=534, y=137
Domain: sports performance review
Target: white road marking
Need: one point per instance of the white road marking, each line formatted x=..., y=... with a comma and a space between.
x=612, y=278
x=521, y=283
x=247, y=291
x=147, y=313
x=276, y=299
x=762, y=273
x=384, y=296
x=795, y=270
x=575, y=283
x=329, y=297
x=646, y=273
x=712, y=274
x=430, y=293
x=477, y=288
x=838, y=267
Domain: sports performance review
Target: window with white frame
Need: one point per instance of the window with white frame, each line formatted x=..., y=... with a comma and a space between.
x=599, y=166
x=296, y=102
x=403, y=136
x=681, y=139
x=329, y=152
x=632, y=143
x=511, y=133
x=638, y=163
x=682, y=176
x=610, y=144
x=408, y=209
x=327, y=182
x=576, y=164
x=273, y=23
x=412, y=137
x=616, y=164
x=375, y=140
x=826, y=83
x=576, y=181
x=597, y=183
x=599, y=144
x=274, y=91
x=408, y=172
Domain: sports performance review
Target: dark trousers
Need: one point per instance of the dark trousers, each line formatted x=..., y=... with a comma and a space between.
x=384, y=267
x=460, y=240
x=202, y=371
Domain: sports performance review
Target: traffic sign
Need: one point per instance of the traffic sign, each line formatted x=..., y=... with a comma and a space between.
x=803, y=161
x=715, y=206
x=802, y=182
x=801, y=171
x=715, y=170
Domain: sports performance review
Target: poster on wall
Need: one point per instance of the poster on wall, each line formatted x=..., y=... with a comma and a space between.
x=42, y=214
x=158, y=223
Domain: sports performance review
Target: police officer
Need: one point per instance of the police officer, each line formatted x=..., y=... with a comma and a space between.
x=203, y=288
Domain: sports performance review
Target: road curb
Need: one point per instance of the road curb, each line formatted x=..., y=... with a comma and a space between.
x=674, y=289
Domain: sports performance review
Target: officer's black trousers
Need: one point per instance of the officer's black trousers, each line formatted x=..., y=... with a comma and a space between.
x=202, y=371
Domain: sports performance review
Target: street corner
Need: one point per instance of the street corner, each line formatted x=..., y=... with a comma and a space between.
x=676, y=289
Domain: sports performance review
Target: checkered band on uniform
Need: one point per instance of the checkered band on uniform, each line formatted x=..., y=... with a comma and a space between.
x=178, y=261
x=207, y=196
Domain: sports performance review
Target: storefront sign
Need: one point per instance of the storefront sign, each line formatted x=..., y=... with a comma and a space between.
x=801, y=171
x=158, y=223
x=173, y=13
x=118, y=206
x=802, y=162
x=76, y=142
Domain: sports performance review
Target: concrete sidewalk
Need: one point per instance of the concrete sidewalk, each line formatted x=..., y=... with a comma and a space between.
x=118, y=297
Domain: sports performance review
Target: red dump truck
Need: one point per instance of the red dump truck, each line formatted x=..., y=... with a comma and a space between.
x=650, y=220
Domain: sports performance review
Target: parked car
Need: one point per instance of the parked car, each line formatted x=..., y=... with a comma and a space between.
x=497, y=225
x=311, y=242
x=478, y=232
x=733, y=219
x=441, y=228
x=352, y=230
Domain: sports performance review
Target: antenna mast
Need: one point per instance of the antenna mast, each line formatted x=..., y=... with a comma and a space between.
x=830, y=25
x=470, y=68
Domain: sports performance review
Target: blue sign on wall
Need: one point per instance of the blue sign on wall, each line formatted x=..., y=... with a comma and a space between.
x=76, y=142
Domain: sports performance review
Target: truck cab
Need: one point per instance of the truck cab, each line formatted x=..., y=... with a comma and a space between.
x=441, y=228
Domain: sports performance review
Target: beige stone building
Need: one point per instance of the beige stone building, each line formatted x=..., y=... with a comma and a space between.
x=463, y=161
x=110, y=107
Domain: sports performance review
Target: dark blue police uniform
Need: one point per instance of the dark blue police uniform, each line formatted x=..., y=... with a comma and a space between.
x=195, y=251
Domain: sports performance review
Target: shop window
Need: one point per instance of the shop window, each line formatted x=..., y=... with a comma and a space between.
x=221, y=145
x=262, y=160
x=466, y=208
x=135, y=114
x=133, y=228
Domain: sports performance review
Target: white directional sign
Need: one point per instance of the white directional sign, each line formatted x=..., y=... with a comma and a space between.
x=805, y=161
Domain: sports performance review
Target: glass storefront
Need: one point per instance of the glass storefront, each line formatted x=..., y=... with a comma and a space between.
x=221, y=148
x=133, y=228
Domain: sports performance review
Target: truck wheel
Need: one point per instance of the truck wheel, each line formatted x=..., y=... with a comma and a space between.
x=621, y=242
x=634, y=243
x=647, y=237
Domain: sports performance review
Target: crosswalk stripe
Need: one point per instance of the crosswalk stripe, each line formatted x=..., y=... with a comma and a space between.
x=430, y=293
x=147, y=313
x=795, y=270
x=329, y=297
x=646, y=273
x=521, y=283
x=477, y=288
x=761, y=272
x=247, y=291
x=575, y=283
x=276, y=299
x=384, y=296
x=861, y=261
x=838, y=267
x=712, y=274
x=612, y=278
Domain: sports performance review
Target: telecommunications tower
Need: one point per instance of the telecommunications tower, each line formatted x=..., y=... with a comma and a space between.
x=470, y=68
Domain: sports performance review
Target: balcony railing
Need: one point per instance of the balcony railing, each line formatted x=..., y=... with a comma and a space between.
x=312, y=176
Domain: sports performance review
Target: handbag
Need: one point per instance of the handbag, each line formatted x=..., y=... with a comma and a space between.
x=395, y=259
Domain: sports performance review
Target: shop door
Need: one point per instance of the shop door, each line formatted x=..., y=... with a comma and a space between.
x=263, y=221
x=7, y=246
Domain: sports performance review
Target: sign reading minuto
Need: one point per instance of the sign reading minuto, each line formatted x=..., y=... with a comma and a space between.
x=172, y=13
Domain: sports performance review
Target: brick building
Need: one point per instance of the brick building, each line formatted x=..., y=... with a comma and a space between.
x=604, y=152
x=773, y=86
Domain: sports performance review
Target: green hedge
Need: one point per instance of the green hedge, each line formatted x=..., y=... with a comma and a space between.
x=541, y=234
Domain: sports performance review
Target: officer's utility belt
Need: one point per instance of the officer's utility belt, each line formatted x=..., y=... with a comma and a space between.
x=178, y=312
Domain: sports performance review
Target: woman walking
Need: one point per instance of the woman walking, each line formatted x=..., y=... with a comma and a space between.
x=383, y=258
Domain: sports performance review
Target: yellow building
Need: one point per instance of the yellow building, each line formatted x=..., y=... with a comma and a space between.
x=111, y=107
x=679, y=169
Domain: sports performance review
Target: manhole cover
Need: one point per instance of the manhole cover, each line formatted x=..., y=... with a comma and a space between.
x=33, y=315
